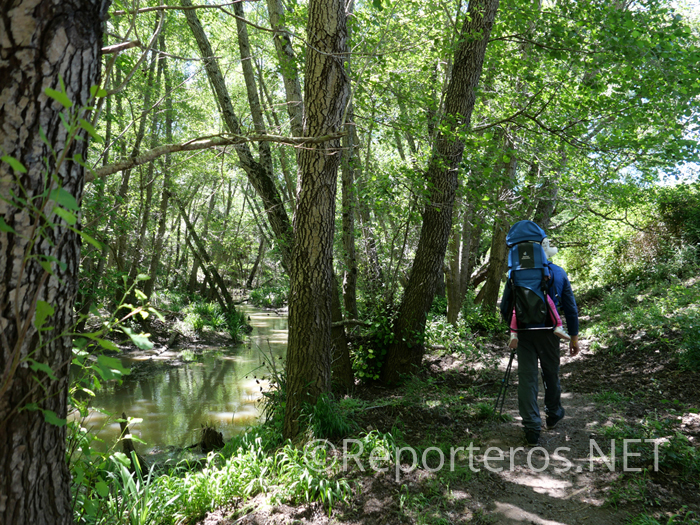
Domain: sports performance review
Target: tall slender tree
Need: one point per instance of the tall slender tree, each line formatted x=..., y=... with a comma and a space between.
x=407, y=352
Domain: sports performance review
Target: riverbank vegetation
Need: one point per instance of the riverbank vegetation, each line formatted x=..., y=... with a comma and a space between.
x=355, y=165
x=636, y=380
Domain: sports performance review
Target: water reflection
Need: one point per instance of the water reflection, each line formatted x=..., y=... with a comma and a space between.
x=219, y=388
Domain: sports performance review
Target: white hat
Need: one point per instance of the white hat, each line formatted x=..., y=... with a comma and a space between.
x=549, y=251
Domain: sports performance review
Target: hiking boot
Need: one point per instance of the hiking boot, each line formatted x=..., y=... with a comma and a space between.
x=553, y=420
x=513, y=343
x=532, y=437
x=561, y=334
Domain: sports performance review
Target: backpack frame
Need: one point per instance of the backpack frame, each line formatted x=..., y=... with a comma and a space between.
x=529, y=276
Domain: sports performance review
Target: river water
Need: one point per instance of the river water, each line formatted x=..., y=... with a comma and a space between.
x=221, y=387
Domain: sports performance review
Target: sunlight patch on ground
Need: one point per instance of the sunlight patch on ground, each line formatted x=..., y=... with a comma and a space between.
x=517, y=515
x=541, y=483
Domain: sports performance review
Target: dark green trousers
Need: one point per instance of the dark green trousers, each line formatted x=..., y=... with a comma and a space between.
x=538, y=346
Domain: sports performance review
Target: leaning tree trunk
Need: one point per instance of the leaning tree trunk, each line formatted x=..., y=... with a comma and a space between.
x=258, y=173
x=41, y=41
x=326, y=94
x=406, y=353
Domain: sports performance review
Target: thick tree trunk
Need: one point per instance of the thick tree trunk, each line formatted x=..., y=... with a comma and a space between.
x=406, y=353
x=40, y=41
x=326, y=93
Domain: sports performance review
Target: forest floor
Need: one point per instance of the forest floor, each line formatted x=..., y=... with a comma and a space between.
x=606, y=397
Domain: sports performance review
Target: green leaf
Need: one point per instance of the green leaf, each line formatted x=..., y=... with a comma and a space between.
x=46, y=265
x=16, y=165
x=52, y=419
x=121, y=458
x=87, y=238
x=141, y=340
x=91, y=130
x=59, y=97
x=142, y=277
x=377, y=4
x=108, y=345
x=43, y=310
x=157, y=314
x=5, y=228
x=37, y=366
x=102, y=489
x=65, y=215
x=64, y=198
x=98, y=92
x=111, y=367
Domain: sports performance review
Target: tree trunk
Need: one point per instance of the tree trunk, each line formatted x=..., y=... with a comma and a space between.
x=40, y=42
x=253, y=271
x=326, y=93
x=258, y=173
x=201, y=253
x=488, y=295
x=149, y=286
x=342, y=377
x=452, y=274
x=406, y=353
x=288, y=67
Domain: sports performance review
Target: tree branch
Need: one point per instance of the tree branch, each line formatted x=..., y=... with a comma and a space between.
x=204, y=143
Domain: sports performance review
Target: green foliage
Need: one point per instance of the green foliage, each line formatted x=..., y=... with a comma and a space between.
x=682, y=517
x=328, y=420
x=476, y=320
x=200, y=314
x=368, y=357
x=675, y=451
x=679, y=207
x=270, y=296
x=663, y=316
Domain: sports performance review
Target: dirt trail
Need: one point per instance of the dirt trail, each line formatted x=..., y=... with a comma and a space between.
x=552, y=483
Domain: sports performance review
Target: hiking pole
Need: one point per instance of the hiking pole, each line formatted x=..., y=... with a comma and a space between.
x=504, y=385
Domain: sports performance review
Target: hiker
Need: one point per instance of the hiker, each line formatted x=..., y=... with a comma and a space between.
x=536, y=343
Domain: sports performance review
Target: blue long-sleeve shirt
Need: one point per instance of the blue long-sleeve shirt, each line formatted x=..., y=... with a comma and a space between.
x=560, y=292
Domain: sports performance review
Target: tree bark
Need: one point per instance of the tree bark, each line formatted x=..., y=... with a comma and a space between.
x=253, y=271
x=348, y=207
x=452, y=273
x=326, y=93
x=288, y=66
x=406, y=353
x=40, y=41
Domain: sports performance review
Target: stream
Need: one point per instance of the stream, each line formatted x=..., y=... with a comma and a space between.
x=220, y=387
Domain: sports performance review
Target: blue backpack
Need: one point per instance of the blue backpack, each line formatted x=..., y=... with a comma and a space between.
x=529, y=275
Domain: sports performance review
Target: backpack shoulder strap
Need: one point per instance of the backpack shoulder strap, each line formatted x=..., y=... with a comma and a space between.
x=552, y=288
